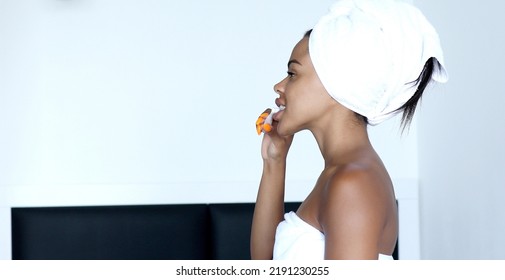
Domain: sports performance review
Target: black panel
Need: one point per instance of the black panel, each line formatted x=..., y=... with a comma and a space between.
x=291, y=206
x=184, y=232
x=395, y=252
x=231, y=229
x=115, y=232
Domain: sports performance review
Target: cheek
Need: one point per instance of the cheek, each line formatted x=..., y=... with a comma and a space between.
x=305, y=99
x=313, y=95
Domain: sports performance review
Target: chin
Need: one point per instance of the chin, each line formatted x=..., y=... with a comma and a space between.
x=283, y=131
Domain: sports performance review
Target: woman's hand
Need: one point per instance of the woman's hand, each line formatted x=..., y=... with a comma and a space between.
x=274, y=146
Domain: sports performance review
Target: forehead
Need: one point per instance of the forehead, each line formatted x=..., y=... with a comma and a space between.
x=301, y=50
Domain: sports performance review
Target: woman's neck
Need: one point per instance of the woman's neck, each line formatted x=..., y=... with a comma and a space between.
x=341, y=140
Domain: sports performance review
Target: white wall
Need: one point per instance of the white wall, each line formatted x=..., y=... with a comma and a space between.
x=462, y=134
x=112, y=102
x=139, y=92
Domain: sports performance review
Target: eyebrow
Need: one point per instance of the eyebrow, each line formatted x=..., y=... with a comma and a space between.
x=294, y=61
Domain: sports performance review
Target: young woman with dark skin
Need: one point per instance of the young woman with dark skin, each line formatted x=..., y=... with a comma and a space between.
x=353, y=202
x=362, y=63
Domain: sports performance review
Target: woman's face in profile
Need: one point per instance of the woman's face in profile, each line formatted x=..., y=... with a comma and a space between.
x=301, y=92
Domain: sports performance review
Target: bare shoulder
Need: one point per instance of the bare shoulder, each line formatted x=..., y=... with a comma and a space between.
x=355, y=188
x=353, y=213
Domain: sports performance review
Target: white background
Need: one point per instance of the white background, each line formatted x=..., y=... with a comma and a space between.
x=461, y=136
x=137, y=102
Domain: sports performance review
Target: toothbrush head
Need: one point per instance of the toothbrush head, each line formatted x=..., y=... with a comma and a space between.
x=264, y=121
x=260, y=121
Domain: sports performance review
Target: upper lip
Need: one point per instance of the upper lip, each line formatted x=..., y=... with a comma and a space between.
x=278, y=103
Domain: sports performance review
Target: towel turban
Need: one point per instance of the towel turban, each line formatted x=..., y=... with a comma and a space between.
x=368, y=53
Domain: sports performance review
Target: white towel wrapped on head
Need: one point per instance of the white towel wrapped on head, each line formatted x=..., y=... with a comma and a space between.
x=367, y=53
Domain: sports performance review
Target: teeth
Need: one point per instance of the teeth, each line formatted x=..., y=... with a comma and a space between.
x=282, y=107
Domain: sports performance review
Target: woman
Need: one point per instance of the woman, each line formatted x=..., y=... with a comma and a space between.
x=363, y=62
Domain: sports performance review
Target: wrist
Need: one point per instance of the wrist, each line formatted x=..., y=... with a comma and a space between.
x=274, y=165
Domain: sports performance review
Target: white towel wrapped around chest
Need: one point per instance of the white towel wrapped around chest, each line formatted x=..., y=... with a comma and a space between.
x=297, y=240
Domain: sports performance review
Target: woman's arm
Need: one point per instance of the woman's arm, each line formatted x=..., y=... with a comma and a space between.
x=269, y=209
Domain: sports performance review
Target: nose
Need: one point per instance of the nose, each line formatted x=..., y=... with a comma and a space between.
x=279, y=87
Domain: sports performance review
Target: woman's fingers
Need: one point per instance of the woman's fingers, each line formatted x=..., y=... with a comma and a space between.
x=260, y=122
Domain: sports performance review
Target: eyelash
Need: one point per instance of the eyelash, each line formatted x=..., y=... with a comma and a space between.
x=291, y=74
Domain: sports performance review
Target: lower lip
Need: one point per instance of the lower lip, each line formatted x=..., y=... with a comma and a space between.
x=277, y=116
